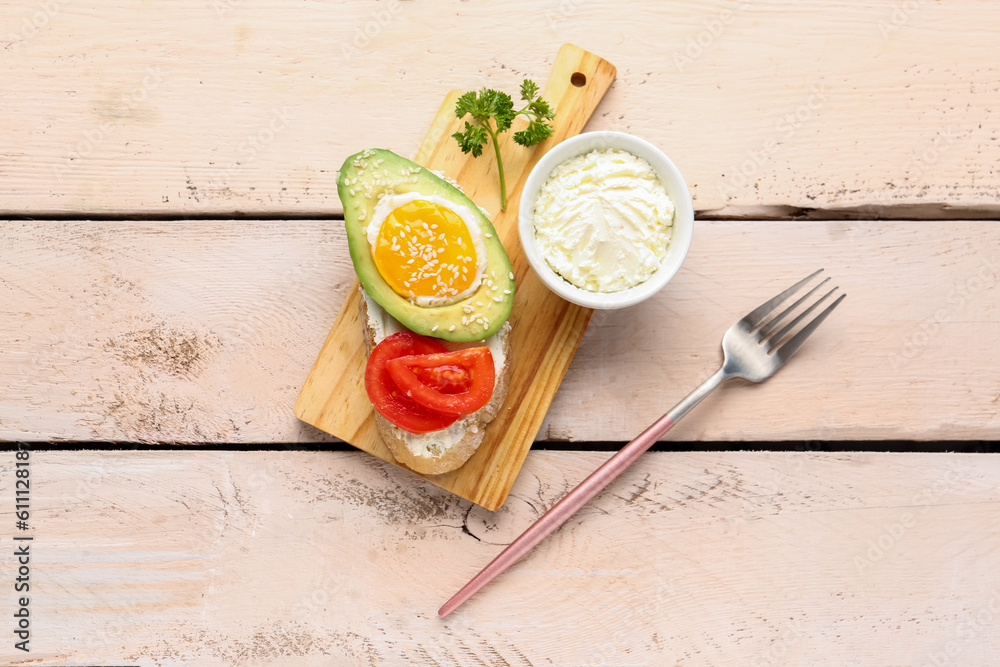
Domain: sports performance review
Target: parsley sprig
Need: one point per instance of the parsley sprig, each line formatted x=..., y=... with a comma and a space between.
x=487, y=105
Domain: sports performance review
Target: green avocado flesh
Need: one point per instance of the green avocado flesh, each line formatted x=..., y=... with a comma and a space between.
x=373, y=173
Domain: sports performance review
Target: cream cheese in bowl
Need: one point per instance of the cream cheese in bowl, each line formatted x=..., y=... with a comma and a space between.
x=603, y=220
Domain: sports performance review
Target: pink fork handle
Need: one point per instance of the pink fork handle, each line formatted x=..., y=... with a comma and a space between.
x=561, y=511
x=583, y=492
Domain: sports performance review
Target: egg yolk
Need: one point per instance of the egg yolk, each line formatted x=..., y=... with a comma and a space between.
x=425, y=250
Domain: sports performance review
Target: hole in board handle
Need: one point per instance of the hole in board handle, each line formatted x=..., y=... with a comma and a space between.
x=579, y=79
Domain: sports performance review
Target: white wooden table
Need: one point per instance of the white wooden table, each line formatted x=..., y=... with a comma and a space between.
x=171, y=261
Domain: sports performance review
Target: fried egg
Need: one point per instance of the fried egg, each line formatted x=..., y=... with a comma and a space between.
x=429, y=250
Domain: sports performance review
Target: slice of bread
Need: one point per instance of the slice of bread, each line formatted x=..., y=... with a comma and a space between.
x=446, y=450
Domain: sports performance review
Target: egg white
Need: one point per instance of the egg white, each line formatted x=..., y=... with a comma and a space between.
x=388, y=204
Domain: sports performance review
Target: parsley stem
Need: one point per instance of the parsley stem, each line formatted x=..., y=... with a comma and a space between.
x=503, y=184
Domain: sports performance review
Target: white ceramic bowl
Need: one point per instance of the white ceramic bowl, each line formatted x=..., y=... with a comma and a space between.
x=683, y=223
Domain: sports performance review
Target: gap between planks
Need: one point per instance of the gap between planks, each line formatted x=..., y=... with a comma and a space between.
x=814, y=446
x=936, y=211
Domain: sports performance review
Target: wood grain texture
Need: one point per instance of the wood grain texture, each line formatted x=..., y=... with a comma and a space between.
x=226, y=106
x=546, y=330
x=204, y=331
x=299, y=558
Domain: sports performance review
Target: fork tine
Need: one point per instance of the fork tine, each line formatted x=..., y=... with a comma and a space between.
x=788, y=349
x=766, y=330
x=754, y=318
x=774, y=340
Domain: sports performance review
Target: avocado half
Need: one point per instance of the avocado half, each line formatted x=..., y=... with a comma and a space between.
x=372, y=173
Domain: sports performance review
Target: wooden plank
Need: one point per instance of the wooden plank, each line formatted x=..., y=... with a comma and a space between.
x=546, y=329
x=204, y=331
x=228, y=106
x=315, y=558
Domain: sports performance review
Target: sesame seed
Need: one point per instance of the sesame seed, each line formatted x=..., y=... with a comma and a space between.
x=451, y=328
x=489, y=236
x=434, y=328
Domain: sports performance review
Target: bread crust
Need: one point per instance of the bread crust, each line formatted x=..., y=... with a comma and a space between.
x=456, y=455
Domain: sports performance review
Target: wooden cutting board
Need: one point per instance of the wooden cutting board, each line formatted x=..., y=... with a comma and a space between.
x=546, y=329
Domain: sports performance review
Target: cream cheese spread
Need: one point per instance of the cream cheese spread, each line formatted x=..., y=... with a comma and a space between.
x=603, y=220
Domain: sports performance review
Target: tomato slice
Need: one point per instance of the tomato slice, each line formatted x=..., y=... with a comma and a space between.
x=393, y=403
x=454, y=383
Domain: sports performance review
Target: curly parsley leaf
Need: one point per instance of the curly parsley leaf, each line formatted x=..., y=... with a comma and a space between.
x=541, y=109
x=528, y=89
x=536, y=132
x=489, y=105
x=468, y=103
x=472, y=139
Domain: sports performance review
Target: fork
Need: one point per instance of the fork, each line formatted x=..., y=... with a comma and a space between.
x=754, y=349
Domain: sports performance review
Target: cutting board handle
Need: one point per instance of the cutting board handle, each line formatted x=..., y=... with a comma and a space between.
x=578, y=81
